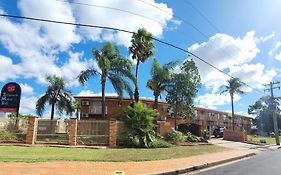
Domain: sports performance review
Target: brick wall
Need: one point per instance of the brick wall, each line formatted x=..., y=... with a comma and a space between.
x=31, y=133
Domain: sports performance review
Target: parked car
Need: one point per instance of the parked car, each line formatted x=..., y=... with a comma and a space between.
x=218, y=131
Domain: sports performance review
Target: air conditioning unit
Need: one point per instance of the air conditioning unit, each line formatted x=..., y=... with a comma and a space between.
x=85, y=103
x=85, y=115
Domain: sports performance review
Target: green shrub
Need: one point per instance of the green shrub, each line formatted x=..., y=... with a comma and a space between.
x=159, y=143
x=262, y=141
x=191, y=138
x=6, y=135
x=174, y=137
x=139, y=125
x=205, y=134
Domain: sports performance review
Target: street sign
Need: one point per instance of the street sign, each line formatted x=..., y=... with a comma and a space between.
x=10, y=97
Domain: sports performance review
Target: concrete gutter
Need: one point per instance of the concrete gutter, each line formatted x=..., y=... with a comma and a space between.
x=202, y=166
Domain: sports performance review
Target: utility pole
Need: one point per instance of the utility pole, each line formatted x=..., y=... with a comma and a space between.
x=273, y=107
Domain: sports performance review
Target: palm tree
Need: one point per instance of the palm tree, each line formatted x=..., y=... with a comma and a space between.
x=56, y=95
x=233, y=86
x=113, y=67
x=141, y=48
x=161, y=76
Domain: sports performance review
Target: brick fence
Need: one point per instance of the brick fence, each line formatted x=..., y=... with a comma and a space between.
x=238, y=136
x=72, y=131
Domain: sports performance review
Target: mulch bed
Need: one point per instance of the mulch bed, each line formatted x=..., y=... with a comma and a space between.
x=11, y=141
x=193, y=143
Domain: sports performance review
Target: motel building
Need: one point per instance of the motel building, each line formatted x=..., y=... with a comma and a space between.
x=205, y=119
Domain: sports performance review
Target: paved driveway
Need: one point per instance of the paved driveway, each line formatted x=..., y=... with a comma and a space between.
x=242, y=146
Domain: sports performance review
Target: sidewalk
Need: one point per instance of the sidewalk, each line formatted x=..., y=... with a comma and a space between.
x=130, y=168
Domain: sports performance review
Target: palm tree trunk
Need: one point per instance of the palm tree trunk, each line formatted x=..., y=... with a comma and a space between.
x=155, y=106
x=232, y=111
x=77, y=113
x=176, y=115
x=103, y=81
x=136, y=94
x=53, y=111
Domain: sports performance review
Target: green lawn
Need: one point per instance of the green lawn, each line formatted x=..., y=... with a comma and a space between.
x=269, y=140
x=43, y=154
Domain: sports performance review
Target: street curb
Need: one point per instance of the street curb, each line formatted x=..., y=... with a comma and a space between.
x=202, y=166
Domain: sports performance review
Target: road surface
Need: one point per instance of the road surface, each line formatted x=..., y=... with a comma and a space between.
x=266, y=163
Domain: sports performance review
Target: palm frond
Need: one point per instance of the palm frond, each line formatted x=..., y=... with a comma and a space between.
x=86, y=74
x=40, y=104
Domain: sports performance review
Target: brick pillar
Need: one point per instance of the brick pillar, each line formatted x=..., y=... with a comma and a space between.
x=73, y=132
x=112, y=133
x=31, y=133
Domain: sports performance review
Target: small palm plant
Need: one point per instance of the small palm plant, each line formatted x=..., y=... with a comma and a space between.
x=139, y=125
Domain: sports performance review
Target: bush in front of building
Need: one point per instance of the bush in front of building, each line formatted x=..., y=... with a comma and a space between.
x=138, y=121
x=192, y=138
x=174, y=137
x=160, y=143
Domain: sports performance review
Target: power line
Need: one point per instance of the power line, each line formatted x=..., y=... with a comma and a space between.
x=212, y=25
x=199, y=31
x=124, y=11
x=120, y=30
x=178, y=17
x=202, y=15
x=115, y=9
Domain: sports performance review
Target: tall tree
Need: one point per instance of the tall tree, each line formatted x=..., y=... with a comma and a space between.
x=57, y=95
x=141, y=49
x=264, y=116
x=161, y=76
x=182, y=89
x=112, y=66
x=233, y=86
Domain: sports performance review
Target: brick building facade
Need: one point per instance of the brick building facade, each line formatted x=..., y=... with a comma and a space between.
x=205, y=118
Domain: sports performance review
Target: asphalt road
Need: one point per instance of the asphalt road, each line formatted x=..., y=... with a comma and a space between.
x=266, y=163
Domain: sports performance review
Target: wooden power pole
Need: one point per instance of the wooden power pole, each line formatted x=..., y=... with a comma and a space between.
x=273, y=108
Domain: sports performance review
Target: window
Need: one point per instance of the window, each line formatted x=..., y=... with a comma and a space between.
x=196, y=114
x=96, y=108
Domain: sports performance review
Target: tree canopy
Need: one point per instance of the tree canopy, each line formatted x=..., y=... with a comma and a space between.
x=57, y=95
x=182, y=90
x=232, y=87
x=160, y=78
x=111, y=66
x=141, y=49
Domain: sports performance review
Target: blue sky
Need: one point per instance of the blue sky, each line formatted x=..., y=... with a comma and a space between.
x=243, y=40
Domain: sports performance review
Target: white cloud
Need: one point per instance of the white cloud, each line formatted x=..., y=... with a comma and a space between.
x=27, y=105
x=266, y=38
x=230, y=55
x=56, y=36
x=211, y=100
x=26, y=89
x=253, y=75
x=112, y=18
x=39, y=45
x=274, y=49
x=91, y=93
x=8, y=70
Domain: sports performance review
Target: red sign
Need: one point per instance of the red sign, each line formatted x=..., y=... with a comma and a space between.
x=10, y=97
